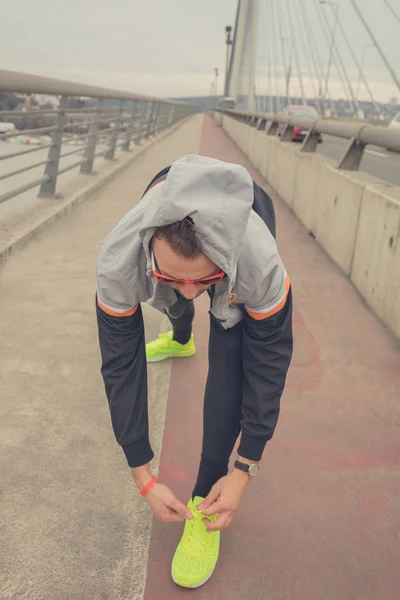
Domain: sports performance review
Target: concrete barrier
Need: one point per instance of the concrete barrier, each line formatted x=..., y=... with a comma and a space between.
x=376, y=264
x=353, y=216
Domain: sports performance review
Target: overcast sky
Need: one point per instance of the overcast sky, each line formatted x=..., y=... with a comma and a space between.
x=170, y=47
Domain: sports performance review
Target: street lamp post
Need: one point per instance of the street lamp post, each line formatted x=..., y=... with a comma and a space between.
x=211, y=99
x=216, y=85
x=229, y=42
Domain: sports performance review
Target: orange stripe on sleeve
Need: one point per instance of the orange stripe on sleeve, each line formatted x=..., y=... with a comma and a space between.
x=260, y=316
x=155, y=185
x=114, y=313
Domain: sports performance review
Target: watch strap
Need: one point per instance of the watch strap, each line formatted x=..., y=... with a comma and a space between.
x=242, y=466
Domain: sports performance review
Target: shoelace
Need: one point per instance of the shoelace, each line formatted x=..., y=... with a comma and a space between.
x=163, y=340
x=197, y=538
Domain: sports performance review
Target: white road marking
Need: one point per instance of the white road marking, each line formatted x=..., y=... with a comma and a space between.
x=377, y=153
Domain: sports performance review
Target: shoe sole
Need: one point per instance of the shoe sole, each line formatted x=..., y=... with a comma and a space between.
x=173, y=355
x=192, y=586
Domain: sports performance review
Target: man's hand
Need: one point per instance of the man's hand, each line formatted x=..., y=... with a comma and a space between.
x=164, y=504
x=224, y=499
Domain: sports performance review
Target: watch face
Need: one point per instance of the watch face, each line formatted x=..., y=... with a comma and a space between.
x=253, y=470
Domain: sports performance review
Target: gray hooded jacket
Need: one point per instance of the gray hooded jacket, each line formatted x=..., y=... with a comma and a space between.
x=218, y=197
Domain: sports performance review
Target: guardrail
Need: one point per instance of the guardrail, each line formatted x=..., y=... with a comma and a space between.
x=97, y=130
x=360, y=134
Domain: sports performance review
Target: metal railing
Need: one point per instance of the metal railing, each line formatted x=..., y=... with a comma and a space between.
x=360, y=133
x=98, y=130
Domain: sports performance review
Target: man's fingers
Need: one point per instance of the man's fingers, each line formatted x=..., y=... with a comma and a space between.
x=212, y=496
x=172, y=517
x=217, y=525
x=181, y=509
x=213, y=509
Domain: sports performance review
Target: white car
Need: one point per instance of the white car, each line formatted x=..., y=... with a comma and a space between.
x=227, y=102
x=7, y=127
x=395, y=122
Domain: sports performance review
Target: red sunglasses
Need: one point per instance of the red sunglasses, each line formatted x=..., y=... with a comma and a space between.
x=210, y=280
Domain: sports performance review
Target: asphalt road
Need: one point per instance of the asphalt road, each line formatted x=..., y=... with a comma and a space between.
x=377, y=161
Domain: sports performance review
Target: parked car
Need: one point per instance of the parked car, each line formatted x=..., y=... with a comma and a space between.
x=308, y=112
x=394, y=124
x=227, y=102
x=7, y=127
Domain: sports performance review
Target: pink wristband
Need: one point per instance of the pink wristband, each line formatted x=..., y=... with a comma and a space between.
x=148, y=487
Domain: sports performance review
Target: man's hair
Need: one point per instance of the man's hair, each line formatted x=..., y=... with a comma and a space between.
x=182, y=238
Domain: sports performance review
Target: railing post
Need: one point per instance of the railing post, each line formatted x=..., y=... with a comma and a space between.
x=140, y=126
x=161, y=118
x=261, y=124
x=353, y=156
x=287, y=133
x=311, y=141
x=90, y=151
x=48, y=188
x=151, y=117
x=171, y=115
x=271, y=128
x=154, y=130
x=114, y=135
x=129, y=131
x=166, y=115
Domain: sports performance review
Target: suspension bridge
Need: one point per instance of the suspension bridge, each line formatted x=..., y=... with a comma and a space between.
x=337, y=56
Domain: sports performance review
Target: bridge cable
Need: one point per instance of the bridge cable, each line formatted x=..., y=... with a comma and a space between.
x=265, y=46
x=276, y=56
x=263, y=68
x=296, y=54
x=306, y=50
x=275, y=98
x=269, y=67
x=396, y=16
x=328, y=35
x=378, y=47
x=286, y=65
x=281, y=60
x=358, y=65
x=270, y=77
x=315, y=55
x=356, y=105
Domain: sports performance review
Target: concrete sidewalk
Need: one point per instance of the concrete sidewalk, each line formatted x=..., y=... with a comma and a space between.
x=319, y=523
x=74, y=527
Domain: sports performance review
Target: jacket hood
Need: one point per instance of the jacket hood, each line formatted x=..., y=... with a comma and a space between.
x=217, y=196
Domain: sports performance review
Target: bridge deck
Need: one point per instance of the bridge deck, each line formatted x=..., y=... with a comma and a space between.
x=321, y=519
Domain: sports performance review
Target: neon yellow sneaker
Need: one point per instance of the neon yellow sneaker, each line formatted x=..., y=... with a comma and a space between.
x=165, y=347
x=197, y=552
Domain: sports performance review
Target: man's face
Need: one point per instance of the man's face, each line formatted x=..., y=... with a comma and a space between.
x=171, y=264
